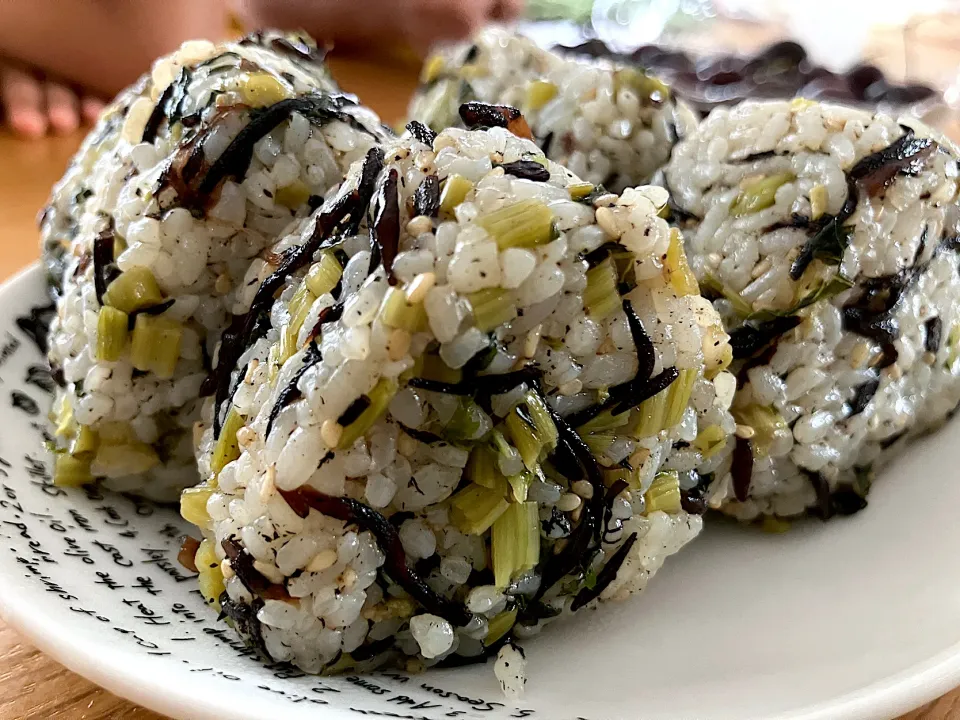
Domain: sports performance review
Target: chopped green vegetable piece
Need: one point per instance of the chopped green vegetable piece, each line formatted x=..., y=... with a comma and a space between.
x=600, y=298
x=646, y=86
x=117, y=433
x=774, y=524
x=818, y=201
x=119, y=459
x=740, y=306
x=604, y=421
x=523, y=224
x=262, y=89
x=396, y=312
x=665, y=409
x=210, y=580
x=70, y=471
x=765, y=421
x=524, y=436
x=299, y=308
x=483, y=470
x=293, y=195
x=434, y=368
x=63, y=417
x=454, y=192
x=617, y=474
x=193, y=505
x=474, y=509
x=710, y=441
x=499, y=626
x=379, y=398
x=492, y=308
x=85, y=443
x=133, y=290
x=599, y=443
x=579, y=190
x=287, y=345
x=664, y=494
x=539, y=93
x=520, y=485
x=759, y=193
x=677, y=270
x=542, y=420
x=324, y=274
x=825, y=291
x=678, y=396
x=119, y=245
x=227, y=448
x=432, y=68
x=156, y=345
x=469, y=422
x=515, y=542
x=111, y=334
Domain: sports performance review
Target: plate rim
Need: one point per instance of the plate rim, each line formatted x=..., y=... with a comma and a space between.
x=887, y=697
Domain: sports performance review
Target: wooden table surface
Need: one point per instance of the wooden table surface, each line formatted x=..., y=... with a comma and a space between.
x=32, y=685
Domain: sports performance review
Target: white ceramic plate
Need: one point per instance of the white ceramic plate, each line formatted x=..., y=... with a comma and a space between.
x=858, y=618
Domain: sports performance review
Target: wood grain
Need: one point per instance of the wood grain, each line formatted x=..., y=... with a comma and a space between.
x=32, y=685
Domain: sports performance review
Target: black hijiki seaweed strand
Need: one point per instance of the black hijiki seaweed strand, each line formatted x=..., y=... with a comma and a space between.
x=749, y=339
x=527, y=170
x=904, y=155
x=871, y=175
x=742, y=468
x=933, y=332
x=862, y=395
x=168, y=105
x=830, y=237
x=422, y=133
x=235, y=159
x=586, y=537
x=607, y=574
x=104, y=271
x=630, y=394
x=395, y=565
x=385, y=229
x=352, y=202
x=480, y=384
x=626, y=396
x=426, y=198
x=157, y=309
x=479, y=115
x=291, y=393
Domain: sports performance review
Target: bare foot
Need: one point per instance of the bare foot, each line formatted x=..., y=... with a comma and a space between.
x=33, y=106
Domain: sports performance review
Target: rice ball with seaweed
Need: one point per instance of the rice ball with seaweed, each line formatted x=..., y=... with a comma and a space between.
x=186, y=179
x=445, y=421
x=828, y=239
x=608, y=122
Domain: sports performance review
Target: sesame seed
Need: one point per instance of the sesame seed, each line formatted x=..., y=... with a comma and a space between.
x=583, y=488
x=322, y=560
x=419, y=287
x=331, y=431
x=226, y=569
x=568, y=502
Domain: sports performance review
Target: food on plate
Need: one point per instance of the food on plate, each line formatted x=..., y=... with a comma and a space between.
x=447, y=414
x=610, y=123
x=148, y=238
x=828, y=239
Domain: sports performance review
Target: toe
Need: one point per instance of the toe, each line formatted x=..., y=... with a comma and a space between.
x=21, y=96
x=63, y=110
